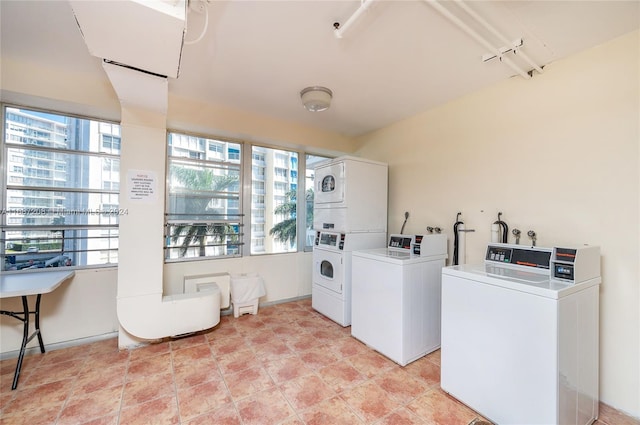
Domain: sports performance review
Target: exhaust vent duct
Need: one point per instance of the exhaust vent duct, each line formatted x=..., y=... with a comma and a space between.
x=146, y=35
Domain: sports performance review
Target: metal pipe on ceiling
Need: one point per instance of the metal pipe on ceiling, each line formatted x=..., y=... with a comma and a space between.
x=341, y=29
x=458, y=22
x=495, y=32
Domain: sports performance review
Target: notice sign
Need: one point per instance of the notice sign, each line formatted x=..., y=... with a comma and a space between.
x=142, y=186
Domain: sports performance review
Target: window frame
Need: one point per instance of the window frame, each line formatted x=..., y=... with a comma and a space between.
x=203, y=161
x=246, y=197
x=7, y=186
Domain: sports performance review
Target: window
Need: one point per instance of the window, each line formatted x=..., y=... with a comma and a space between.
x=210, y=214
x=271, y=173
x=281, y=172
x=280, y=188
x=203, y=217
x=57, y=184
x=110, y=143
x=234, y=154
x=258, y=172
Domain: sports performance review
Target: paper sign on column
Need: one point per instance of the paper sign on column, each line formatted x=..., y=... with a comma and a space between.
x=143, y=186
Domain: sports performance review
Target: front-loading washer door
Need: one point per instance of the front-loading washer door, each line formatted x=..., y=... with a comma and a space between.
x=328, y=269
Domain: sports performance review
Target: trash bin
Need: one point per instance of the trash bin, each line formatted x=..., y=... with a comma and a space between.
x=246, y=290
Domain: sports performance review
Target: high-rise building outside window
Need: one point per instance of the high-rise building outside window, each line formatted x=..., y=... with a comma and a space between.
x=61, y=192
x=275, y=189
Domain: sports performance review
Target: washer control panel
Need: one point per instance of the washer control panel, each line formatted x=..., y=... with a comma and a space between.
x=525, y=256
x=402, y=242
x=567, y=264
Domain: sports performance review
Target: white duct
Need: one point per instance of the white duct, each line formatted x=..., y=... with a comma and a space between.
x=142, y=309
x=137, y=89
x=138, y=63
x=154, y=316
x=146, y=35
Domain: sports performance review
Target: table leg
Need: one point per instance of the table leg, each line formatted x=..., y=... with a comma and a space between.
x=37, y=323
x=25, y=340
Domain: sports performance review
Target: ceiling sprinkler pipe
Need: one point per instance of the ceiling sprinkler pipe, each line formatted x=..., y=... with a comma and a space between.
x=341, y=29
x=495, y=32
x=473, y=34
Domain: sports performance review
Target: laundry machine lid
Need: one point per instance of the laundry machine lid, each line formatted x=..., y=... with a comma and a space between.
x=395, y=257
x=517, y=280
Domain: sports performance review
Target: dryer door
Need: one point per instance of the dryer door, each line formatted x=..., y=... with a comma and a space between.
x=328, y=269
x=329, y=184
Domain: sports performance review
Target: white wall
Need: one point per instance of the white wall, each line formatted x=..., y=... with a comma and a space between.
x=557, y=154
x=285, y=276
x=84, y=307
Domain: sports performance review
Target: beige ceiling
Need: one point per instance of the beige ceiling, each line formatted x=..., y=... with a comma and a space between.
x=397, y=59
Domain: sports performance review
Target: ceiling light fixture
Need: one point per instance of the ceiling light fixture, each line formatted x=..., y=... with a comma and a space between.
x=316, y=98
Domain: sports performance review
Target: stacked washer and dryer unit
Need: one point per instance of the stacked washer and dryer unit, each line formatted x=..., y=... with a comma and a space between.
x=350, y=213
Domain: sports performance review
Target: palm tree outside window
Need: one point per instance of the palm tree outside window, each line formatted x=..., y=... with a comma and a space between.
x=203, y=208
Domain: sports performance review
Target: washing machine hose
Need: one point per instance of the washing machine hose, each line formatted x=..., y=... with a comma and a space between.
x=456, y=240
x=504, y=229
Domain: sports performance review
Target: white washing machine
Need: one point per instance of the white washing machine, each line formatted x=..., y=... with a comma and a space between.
x=396, y=297
x=331, y=286
x=520, y=334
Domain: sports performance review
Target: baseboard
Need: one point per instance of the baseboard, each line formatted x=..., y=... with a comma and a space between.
x=58, y=345
x=229, y=310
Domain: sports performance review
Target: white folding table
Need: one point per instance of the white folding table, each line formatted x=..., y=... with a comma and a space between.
x=23, y=285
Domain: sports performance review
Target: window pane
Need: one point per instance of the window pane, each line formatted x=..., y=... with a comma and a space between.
x=273, y=207
x=203, y=198
x=45, y=168
x=62, y=182
x=311, y=161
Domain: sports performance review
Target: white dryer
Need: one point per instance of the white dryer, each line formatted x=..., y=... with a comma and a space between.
x=520, y=334
x=331, y=285
x=350, y=195
x=396, y=297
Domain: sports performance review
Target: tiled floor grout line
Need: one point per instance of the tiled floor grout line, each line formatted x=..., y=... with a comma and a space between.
x=124, y=387
x=173, y=380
